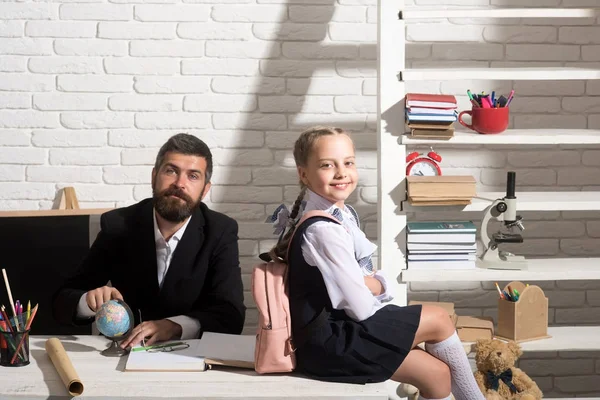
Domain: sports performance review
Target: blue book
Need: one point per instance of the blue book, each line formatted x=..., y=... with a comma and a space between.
x=442, y=227
x=430, y=117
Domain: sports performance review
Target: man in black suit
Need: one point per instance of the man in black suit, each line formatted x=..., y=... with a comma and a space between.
x=170, y=258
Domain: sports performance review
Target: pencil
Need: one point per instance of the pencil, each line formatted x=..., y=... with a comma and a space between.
x=499, y=291
x=3, y=311
x=12, y=361
x=10, y=298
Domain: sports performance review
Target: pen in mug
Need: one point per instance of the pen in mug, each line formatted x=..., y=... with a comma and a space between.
x=510, y=97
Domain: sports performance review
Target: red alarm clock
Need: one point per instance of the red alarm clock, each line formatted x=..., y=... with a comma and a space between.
x=423, y=165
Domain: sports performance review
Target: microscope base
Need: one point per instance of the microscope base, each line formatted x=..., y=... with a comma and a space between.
x=511, y=263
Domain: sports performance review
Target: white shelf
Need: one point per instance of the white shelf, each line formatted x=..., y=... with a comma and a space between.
x=526, y=201
x=539, y=269
x=511, y=74
x=423, y=13
x=54, y=213
x=565, y=338
x=517, y=136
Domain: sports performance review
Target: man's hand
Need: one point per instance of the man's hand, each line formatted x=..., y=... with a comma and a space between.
x=374, y=285
x=95, y=298
x=160, y=330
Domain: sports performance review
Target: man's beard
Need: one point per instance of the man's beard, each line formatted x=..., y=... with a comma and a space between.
x=172, y=209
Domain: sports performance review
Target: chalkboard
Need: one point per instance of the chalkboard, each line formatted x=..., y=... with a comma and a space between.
x=39, y=253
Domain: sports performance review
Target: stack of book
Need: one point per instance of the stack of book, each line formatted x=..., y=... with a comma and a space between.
x=441, y=245
x=430, y=115
x=442, y=190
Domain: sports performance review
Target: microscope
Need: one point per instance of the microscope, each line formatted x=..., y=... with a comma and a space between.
x=503, y=210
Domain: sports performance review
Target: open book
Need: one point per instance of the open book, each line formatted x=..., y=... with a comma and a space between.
x=212, y=349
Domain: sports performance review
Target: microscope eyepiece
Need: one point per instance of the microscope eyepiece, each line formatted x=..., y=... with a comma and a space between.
x=510, y=184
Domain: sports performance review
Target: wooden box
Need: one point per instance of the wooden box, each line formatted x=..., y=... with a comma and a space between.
x=469, y=329
x=525, y=319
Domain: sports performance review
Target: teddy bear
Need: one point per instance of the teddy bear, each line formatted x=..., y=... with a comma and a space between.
x=496, y=374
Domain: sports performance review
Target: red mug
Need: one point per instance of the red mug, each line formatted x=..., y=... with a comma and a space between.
x=486, y=120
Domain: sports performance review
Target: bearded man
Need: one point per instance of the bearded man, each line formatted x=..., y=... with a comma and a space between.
x=174, y=261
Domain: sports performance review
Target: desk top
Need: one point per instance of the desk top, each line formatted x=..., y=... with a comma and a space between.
x=103, y=378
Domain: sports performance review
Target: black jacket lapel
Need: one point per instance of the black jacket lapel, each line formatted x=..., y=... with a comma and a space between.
x=146, y=253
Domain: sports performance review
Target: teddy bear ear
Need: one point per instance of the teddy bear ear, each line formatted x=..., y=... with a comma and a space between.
x=515, y=348
x=483, y=345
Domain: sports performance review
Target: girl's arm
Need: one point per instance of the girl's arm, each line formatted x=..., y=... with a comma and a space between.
x=329, y=247
x=374, y=285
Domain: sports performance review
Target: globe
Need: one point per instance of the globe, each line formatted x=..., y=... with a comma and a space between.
x=114, y=320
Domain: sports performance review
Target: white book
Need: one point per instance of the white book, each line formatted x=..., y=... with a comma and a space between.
x=443, y=251
x=212, y=349
x=462, y=264
x=424, y=110
x=442, y=257
x=442, y=246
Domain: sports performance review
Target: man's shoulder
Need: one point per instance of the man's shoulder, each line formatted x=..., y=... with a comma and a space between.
x=122, y=219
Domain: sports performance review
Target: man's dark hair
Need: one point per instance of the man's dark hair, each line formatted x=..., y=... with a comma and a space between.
x=190, y=145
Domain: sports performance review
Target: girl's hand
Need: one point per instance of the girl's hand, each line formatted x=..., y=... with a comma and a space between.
x=374, y=285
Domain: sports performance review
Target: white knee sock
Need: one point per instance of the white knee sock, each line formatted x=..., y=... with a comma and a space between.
x=423, y=398
x=452, y=352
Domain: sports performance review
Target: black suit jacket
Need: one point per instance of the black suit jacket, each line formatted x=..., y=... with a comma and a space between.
x=203, y=280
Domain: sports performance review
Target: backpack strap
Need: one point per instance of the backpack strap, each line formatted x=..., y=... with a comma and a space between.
x=311, y=214
x=305, y=333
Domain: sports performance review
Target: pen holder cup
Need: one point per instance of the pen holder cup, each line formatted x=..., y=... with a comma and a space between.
x=486, y=120
x=525, y=319
x=14, y=348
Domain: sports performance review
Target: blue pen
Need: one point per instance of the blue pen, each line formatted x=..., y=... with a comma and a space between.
x=493, y=97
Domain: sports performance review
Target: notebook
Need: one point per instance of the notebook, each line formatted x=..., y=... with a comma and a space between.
x=428, y=100
x=212, y=349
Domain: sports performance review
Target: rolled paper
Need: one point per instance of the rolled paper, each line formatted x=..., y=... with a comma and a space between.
x=63, y=365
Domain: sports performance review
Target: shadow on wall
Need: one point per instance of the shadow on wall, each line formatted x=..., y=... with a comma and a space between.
x=310, y=74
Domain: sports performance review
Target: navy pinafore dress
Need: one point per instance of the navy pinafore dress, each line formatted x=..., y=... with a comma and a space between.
x=339, y=349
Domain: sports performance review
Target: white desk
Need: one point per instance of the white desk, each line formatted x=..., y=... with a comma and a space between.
x=103, y=378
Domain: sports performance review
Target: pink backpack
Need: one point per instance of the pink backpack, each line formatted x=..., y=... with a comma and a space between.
x=274, y=350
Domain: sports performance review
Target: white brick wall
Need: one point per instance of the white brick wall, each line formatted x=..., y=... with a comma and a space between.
x=90, y=90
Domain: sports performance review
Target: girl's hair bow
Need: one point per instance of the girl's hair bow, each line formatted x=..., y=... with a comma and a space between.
x=279, y=219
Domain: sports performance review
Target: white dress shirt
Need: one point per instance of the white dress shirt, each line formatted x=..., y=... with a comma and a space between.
x=190, y=327
x=330, y=247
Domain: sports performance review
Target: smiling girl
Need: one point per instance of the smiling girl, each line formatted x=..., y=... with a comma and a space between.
x=355, y=334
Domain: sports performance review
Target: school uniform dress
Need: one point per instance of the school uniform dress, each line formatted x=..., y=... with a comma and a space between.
x=358, y=338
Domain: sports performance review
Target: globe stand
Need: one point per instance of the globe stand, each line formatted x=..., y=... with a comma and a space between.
x=106, y=311
x=114, y=350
